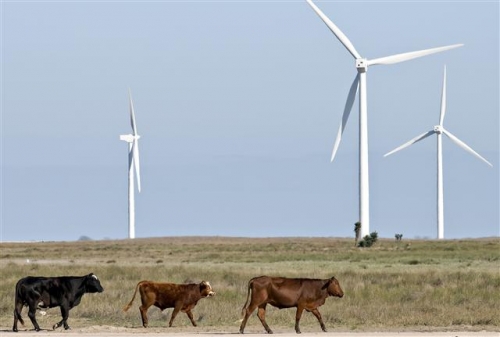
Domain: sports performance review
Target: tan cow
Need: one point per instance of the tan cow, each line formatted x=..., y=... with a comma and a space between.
x=181, y=297
x=280, y=292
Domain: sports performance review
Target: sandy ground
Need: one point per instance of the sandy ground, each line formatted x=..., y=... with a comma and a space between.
x=139, y=332
x=341, y=334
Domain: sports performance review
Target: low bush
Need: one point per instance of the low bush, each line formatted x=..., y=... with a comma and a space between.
x=368, y=240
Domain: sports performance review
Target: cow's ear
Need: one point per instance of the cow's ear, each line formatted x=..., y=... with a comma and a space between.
x=327, y=284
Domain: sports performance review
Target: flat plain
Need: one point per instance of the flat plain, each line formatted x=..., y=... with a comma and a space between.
x=405, y=288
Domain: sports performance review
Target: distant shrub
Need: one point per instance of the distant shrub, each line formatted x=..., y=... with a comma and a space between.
x=357, y=231
x=368, y=240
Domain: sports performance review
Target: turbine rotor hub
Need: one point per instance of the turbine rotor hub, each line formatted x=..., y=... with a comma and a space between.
x=438, y=129
x=361, y=65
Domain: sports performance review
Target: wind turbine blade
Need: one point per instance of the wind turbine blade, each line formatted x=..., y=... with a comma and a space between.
x=335, y=30
x=132, y=114
x=347, y=111
x=464, y=146
x=409, y=56
x=137, y=166
x=443, y=100
x=410, y=142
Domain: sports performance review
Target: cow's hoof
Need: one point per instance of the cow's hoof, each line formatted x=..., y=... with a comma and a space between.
x=15, y=329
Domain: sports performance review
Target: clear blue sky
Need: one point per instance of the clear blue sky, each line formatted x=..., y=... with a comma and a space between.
x=238, y=105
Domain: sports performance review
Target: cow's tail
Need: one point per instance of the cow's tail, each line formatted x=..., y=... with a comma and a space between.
x=125, y=308
x=18, y=304
x=248, y=296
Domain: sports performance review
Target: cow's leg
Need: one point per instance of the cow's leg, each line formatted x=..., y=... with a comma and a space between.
x=144, y=314
x=14, y=327
x=177, y=308
x=31, y=315
x=65, y=315
x=320, y=320
x=63, y=322
x=248, y=312
x=261, y=313
x=298, y=315
x=190, y=315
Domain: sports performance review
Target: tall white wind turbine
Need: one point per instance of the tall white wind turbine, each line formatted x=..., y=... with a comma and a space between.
x=439, y=130
x=133, y=165
x=362, y=65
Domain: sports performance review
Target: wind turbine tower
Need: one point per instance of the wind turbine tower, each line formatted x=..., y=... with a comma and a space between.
x=359, y=83
x=133, y=168
x=439, y=130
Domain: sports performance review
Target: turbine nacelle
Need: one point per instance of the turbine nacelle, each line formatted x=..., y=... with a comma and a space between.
x=129, y=138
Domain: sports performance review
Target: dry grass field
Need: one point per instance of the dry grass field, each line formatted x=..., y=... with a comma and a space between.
x=410, y=285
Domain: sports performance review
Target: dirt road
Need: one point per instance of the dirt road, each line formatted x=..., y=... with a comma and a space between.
x=141, y=332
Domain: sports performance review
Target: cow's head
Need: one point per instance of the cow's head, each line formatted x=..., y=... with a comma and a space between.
x=333, y=287
x=206, y=289
x=92, y=284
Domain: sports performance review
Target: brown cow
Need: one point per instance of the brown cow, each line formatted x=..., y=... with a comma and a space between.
x=181, y=297
x=281, y=292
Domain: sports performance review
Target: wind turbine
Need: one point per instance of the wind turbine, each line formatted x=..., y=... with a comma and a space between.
x=359, y=82
x=133, y=165
x=439, y=130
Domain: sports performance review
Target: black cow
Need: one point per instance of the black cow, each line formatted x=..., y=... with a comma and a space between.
x=47, y=292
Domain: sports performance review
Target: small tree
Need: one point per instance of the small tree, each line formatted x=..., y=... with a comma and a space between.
x=368, y=240
x=357, y=231
x=398, y=237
